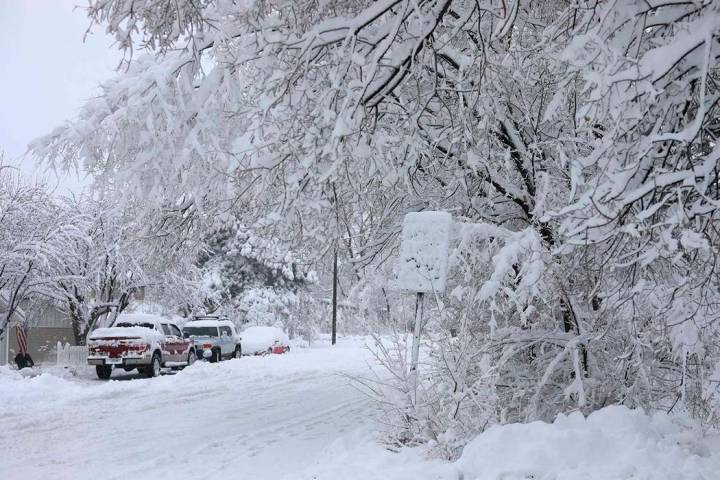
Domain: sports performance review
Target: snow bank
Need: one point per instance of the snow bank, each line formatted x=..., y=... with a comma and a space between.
x=612, y=443
x=615, y=443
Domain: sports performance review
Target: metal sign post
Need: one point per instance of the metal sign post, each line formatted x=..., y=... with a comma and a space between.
x=416, y=344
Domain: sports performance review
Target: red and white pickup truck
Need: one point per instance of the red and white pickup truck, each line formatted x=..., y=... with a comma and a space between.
x=142, y=341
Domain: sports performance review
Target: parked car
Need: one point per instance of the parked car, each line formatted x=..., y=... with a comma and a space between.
x=215, y=338
x=145, y=342
x=264, y=340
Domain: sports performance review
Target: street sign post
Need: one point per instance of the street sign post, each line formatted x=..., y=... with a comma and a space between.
x=423, y=268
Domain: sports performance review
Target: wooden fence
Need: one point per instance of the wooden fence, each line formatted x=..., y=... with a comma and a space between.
x=70, y=355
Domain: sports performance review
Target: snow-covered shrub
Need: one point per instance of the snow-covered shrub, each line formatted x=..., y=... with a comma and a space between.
x=515, y=340
x=495, y=322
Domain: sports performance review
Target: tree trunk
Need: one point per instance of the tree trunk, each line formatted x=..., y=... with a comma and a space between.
x=77, y=323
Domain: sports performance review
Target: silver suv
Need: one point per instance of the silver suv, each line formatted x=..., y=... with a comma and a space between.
x=215, y=338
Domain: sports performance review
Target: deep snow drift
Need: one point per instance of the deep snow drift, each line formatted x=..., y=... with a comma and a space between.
x=612, y=444
x=293, y=417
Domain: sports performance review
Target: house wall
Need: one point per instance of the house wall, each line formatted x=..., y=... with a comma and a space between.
x=46, y=325
x=42, y=342
x=4, y=349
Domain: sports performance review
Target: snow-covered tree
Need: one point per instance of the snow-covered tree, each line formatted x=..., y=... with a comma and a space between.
x=249, y=277
x=580, y=138
x=97, y=278
x=35, y=228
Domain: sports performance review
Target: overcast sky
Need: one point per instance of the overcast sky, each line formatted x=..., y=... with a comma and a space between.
x=46, y=72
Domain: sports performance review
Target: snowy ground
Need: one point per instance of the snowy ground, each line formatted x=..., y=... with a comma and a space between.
x=296, y=417
x=258, y=417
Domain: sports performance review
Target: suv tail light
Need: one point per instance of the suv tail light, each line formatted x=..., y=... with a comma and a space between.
x=207, y=345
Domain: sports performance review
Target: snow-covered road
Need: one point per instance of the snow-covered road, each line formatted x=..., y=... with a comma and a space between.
x=297, y=417
x=261, y=417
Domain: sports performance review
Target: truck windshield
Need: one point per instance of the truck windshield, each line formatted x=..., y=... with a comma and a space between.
x=128, y=325
x=201, y=331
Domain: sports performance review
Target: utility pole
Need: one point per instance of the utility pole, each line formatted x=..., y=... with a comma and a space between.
x=334, y=299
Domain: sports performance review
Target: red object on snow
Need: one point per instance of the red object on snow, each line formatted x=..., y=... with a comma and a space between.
x=21, y=335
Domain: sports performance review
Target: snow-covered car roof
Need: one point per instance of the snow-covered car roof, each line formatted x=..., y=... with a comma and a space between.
x=262, y=332
x=209, y=323
x=124, y=332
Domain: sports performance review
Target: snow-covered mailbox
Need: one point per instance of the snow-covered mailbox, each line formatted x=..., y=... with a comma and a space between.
x=423, y=266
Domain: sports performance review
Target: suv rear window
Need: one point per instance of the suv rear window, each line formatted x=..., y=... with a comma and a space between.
x=201, y=331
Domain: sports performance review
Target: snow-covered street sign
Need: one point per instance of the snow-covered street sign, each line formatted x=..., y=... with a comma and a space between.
x=423, y=268
x=424, y=252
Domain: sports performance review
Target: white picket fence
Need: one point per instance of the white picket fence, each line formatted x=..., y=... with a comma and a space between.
x=70, y=355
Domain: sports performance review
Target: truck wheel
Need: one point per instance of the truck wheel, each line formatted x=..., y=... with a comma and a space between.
x=103, y=371
x=216, y=356
x=238, y=352
x=153, y=370
x=191, y=358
